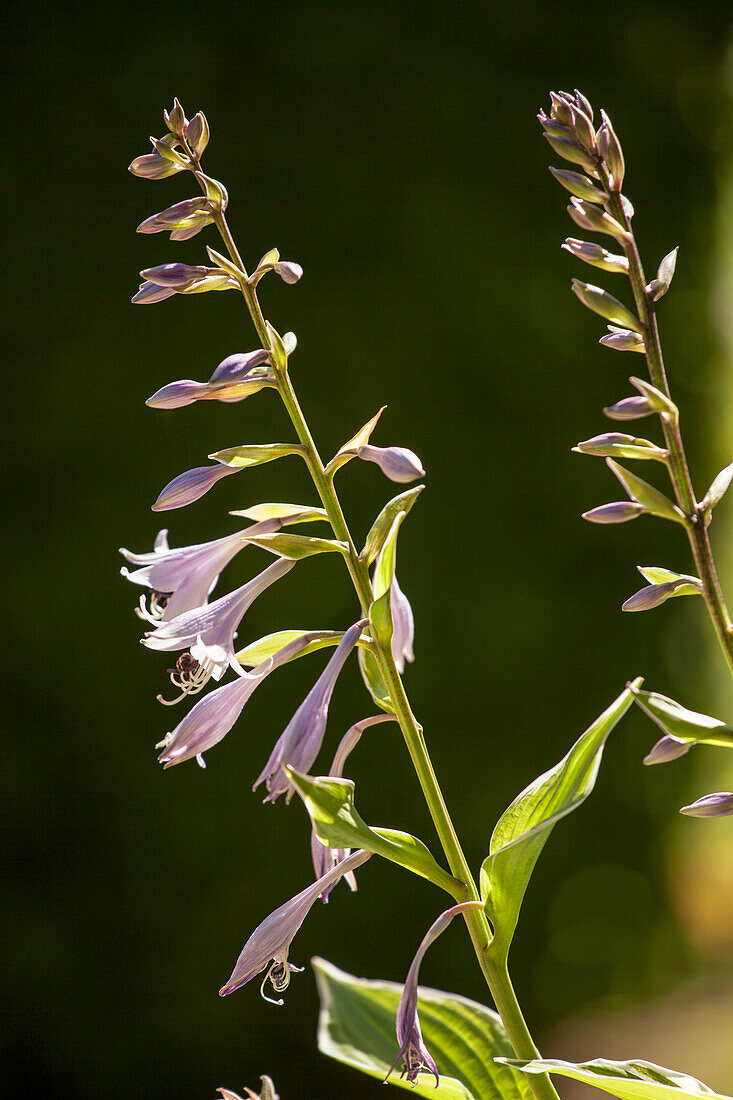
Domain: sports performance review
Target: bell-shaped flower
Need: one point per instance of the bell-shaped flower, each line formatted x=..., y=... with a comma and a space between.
x=324, y=858
x=269, y=944
x=301, y=740
x=190, y=486
x=413, y=1052
x=208, y=631
x=211, y=719
x=235, y=378
x=719, y=804
x=396, y=463
x=182, y=579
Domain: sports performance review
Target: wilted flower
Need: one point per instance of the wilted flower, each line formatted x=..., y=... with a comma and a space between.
x=191, y=486
x=396, y=463
x=270, y=941
x=413, y=1052
x=300, y=742
x=324, y=857
x=211, y=719
x=208, y=631
x=235, y=378
x=711, y=805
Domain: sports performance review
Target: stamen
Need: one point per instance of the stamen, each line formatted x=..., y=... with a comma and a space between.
x=158, y=603
x=278, y=968
x=190, y=675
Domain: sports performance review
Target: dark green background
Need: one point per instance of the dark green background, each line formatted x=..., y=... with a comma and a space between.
x=392, y=150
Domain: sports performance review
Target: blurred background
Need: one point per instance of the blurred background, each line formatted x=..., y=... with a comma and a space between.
x=392, y=150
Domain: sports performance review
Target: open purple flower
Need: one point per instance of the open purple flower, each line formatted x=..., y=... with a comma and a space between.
x=190, y=486
x=211, y=719
x=413, y=1052
x=182, y=579
x=324, y=858
x=235, y=378
x=301, y=740
x=208, y=631
x=269, y=944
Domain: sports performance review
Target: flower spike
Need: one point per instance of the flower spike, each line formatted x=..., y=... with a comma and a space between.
x=270, y=942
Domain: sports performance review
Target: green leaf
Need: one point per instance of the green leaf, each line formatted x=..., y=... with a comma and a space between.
x=296, y=547
x=294, y=513
x=380, y=612
x=256, y=454
x=374, y=681
x=523, y=828
x=686, y=725
x=659, y=400
x=651, y=500
x=655, y=574
x=348, y=451
x=383, y=523
x=225, y=264
x=718, y=489
x=257, y=652
x=635, y=1080
x=330, y=805
x=356, y=1026
x=603, y=303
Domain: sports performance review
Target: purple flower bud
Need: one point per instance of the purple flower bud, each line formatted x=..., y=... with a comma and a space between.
x=711, y=805
x=396, y=463
x=150, y=293
x=667, y=748
x=301, y=740
x=190, y=486
x=413, y=1052
x=175, y=119
x=235, y=366
x=288, y=271
x=235, y=378
x=621, y=511
x=175, y=275
x=152, y=166
x=630, y=408
x=270, y=941
x=651, y=596
x=197, y=133
x=623, y=339
x=403, y=627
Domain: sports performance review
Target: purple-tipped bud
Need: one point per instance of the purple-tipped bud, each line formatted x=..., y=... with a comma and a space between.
x=667, y=748
x=152, y=166
x=578, y=185
x=620, y=511
x=588, y=216
x=610, y=150
x=623, y=339
x=197, y=133
x=175, y=215
x=175, y=119
x=174, y=275
x=630, y=408
x=571, y=150
x=150, y=293
x=397, y=463
x=190, y=486
x=288, y=271
x=596, y=255
x=651, y=596
x=711, y=805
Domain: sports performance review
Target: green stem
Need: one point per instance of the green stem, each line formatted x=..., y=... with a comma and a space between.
x=679, y=472
x=496, y=977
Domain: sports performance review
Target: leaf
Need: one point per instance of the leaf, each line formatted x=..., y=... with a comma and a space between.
x=380, y=612
x=523, y=828
x=348, y=451
x=718, y=489
x=264, y=648
x=383, y=523
x=330, y=805
x=684, y=724
x=657, y=575
x=356, y=1026
x=225, y=264
x=636, y=1080
x=296, y=547
x=256, y=454
x=651, y=500
x=294, y=513
x=373, y=680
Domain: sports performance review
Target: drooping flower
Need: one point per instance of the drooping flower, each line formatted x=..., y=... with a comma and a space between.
x=413, y=1052
x=190, y=486
x=324, y=858
x=269, y=944
x=396, y=463
x=208, y=631
x=211, y=719
x=719, y=804
x=301, y=740
x=235, y=378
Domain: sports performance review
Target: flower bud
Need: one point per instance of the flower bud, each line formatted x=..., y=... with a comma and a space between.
x=197, y=133
x=623, y=339
x=620, y=511
x=630, y=408
x=589, y=217
x=711, y=805
x=610, y=149
x=152, y=166
x=396, y=463
x=667, y=748
x=578, y=185
x=571, y=150
x=150, y=293
x=288, y=271
x=175, y=119
x=174, y=275
x=595, y=255
x=603, y=303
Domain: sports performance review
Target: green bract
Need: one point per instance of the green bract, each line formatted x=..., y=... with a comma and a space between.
x=357, y=1027
x=296, y=547
x=652, y=501
x=522, y=830
x=256, y=454
x=383, y=523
